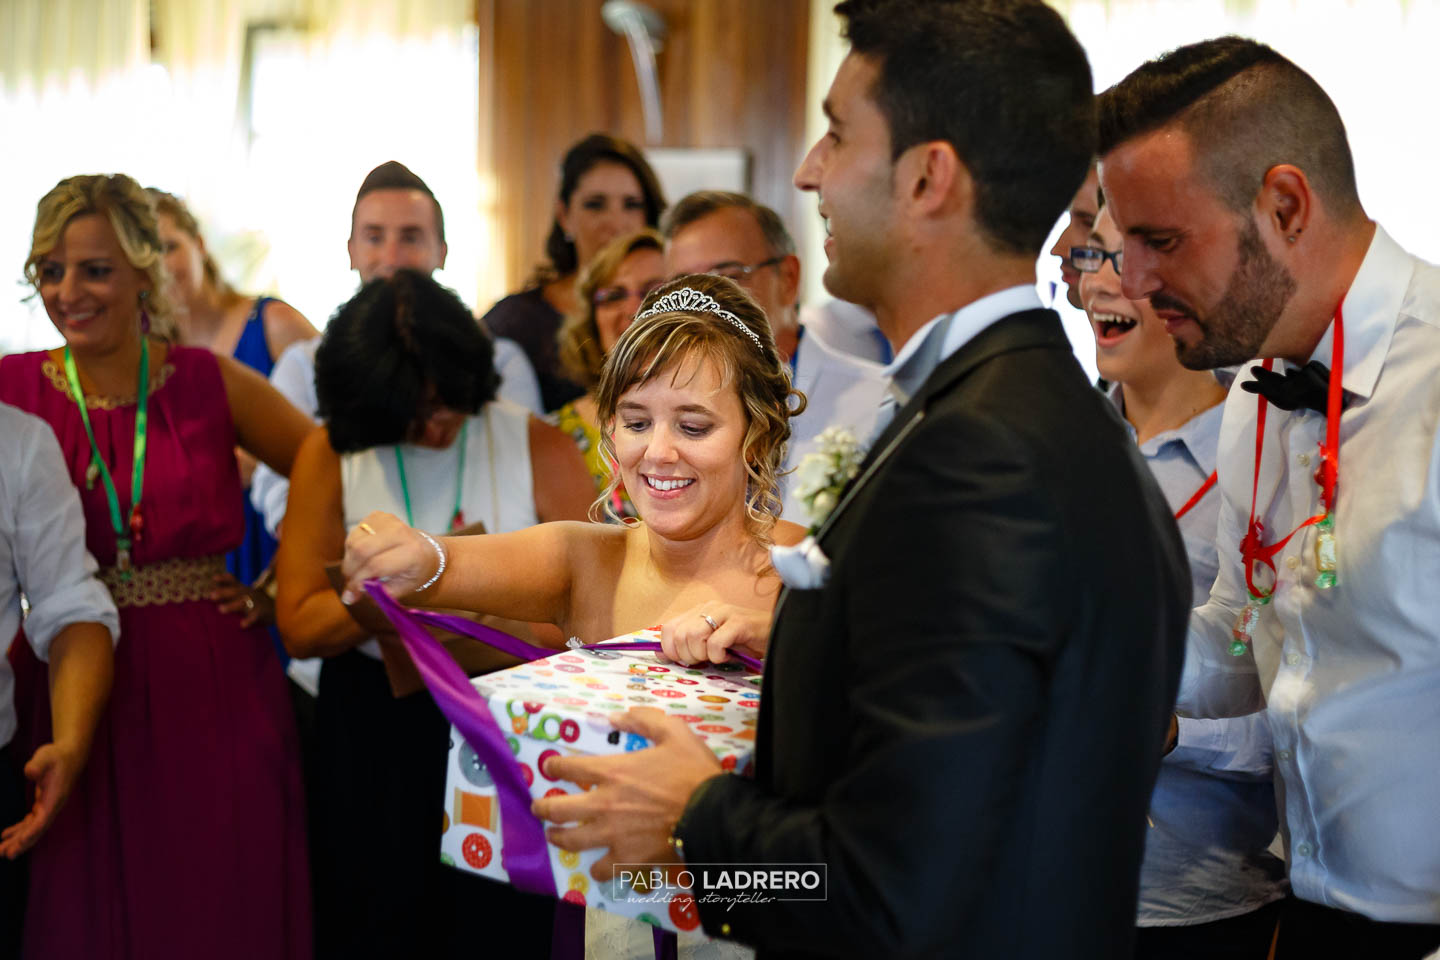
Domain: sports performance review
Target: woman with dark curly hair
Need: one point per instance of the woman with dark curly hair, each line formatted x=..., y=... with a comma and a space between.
x=406, y=384
x=606, y=189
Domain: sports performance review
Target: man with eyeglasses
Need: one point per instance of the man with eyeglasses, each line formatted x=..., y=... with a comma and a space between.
x=731, y=235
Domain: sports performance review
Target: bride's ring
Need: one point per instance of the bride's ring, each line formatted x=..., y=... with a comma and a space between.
x=367, y=528
x=250, y=603
x=710, y=620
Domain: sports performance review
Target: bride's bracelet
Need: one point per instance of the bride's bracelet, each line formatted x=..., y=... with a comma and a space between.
x=439, y=552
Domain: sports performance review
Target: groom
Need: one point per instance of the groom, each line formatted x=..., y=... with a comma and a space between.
x=965, y=721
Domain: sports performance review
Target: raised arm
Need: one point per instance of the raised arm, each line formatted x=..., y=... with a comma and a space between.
x=266, y=424
x=311, y=619
x=524, y=575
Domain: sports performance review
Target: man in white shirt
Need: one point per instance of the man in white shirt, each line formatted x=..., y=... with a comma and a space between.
x=1228, y=171
x=731, y=235
x=72, y=624
x=397, y=222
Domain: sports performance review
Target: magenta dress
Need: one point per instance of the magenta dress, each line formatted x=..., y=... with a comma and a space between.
x=184, y=837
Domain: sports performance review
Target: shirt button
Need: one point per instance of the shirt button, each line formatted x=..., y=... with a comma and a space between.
x=1292, y=562
x=1304, y=459
x=1304, y=850
x=1284, y=754
x=1292, y=658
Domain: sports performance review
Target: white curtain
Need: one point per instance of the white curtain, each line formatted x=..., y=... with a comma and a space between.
x=72, y=87
x=265, y=115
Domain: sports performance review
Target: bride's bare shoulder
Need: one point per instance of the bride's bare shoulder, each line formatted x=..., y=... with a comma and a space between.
x=593, y=537
x=787, y=534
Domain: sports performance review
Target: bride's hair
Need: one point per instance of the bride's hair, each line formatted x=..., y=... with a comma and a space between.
x=708, y=318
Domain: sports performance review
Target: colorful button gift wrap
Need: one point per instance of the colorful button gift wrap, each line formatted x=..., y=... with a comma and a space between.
x=561, y=705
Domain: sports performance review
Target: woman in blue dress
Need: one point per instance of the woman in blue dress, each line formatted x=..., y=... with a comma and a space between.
x=254, y=330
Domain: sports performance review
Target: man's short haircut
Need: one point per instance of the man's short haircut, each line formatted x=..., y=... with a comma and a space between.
x=401, y=347
x=1246, y=109
x=1004, y=82
x=394, y=175
x=702, y=203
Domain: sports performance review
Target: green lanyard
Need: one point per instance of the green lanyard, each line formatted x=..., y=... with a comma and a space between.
x=124, y=533
x=457, y=518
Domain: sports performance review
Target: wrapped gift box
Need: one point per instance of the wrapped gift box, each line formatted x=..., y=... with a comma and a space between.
x=562, y=705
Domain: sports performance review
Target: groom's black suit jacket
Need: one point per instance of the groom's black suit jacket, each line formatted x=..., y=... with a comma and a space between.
x=966, y=721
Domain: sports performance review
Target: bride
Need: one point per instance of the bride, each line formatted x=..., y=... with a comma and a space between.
x=695, y=401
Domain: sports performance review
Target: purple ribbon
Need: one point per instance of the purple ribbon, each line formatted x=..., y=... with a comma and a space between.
x=756, y=665
x=524, y=852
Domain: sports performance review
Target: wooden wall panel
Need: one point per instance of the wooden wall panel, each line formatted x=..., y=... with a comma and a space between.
x=732, y=74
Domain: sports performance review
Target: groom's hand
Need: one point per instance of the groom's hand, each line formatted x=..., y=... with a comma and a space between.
x=635, y=799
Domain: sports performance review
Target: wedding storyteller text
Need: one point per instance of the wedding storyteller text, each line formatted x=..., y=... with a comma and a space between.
x=807, y=881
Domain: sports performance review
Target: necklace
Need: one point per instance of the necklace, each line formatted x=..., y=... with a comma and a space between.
x=457, y=517
x=1252, y=549
x=129, y=532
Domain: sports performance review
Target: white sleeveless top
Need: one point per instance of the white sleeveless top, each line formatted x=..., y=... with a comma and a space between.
x=496, y=490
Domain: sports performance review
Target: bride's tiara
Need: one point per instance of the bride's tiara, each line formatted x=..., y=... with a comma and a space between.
x=688, y=298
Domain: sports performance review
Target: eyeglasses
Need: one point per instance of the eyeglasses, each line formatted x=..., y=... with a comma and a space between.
x=740, y=272
x=1091, y=259
x=608, y=295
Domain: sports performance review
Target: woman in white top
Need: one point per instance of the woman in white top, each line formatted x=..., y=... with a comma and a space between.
x=694, y=403
x=406, y=384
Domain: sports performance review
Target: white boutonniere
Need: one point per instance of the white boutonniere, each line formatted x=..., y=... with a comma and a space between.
x=819, y=480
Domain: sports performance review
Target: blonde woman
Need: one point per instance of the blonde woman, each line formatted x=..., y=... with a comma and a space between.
x=254, y=330
x=609, y=293
x=184, y=836
x=695, y=402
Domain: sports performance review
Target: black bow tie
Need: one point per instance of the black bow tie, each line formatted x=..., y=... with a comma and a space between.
x=1306, y=386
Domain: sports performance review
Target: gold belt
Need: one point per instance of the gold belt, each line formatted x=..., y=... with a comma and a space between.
x=177, y=580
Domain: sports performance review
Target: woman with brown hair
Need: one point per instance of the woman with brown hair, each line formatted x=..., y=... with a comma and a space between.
x=606, y=188
x=695, y=401
x=610, y=291
x=696, y=405
x=212, y=314
x=184, y=836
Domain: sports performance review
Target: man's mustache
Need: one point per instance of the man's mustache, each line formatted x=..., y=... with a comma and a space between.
x=1163, y=301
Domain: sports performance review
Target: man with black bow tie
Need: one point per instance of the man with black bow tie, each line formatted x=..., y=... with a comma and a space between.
x=1228, y=170
x=956, y=712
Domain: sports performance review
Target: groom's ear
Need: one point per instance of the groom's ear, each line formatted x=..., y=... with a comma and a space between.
x=936, y=181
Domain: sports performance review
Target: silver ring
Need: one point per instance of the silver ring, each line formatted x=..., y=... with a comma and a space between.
x=249, y=603
x=710, y=620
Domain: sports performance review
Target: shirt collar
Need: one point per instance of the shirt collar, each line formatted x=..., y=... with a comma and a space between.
x=1371, y=310
x=929, y=346
x=1200, y=435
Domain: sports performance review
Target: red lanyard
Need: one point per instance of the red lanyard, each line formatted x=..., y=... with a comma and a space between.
x=1197, y=496
x=1252, y=549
